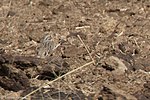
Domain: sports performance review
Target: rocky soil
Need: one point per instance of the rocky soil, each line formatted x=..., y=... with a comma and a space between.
x=44, y=42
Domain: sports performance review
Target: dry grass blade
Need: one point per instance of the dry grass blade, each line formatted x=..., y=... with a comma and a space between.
x=86, y=48
x=58, y=79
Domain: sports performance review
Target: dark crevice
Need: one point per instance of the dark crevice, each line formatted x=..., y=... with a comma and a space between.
x=108, y=67
x=47, y=75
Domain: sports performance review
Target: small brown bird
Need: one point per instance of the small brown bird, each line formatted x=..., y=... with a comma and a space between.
x=47, y=45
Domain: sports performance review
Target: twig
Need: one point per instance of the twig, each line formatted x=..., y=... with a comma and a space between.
x=57, y=79
x=86, y=48
x=83, y=27
x=120, y=34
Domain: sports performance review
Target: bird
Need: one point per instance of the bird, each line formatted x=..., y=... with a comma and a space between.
x=47, y=45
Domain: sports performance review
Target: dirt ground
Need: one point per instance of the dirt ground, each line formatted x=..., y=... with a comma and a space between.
x=44, y=42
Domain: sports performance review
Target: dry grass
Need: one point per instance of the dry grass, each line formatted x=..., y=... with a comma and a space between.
x=86, y=48
x=58, y=78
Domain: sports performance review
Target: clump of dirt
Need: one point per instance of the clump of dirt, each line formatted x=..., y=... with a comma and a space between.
x=39, y=42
